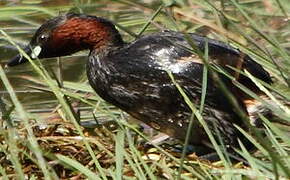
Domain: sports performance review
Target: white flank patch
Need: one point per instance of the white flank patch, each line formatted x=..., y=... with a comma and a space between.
x=35, y=52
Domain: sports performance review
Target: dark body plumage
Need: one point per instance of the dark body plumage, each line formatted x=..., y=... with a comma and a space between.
x=134, y=78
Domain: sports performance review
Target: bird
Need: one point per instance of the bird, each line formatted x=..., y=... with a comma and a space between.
x=135, y=76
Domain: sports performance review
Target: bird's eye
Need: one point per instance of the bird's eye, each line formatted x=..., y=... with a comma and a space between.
x=43, y=37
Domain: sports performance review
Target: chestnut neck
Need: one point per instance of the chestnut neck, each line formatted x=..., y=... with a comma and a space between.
x=88, y=32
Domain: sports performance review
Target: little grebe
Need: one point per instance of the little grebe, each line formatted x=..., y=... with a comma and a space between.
x=134, y=76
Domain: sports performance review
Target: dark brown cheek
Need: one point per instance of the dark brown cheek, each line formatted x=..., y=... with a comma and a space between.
x=63, y=43
x=58, y=39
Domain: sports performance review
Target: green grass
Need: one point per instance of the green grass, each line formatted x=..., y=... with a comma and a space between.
x=43, y=139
